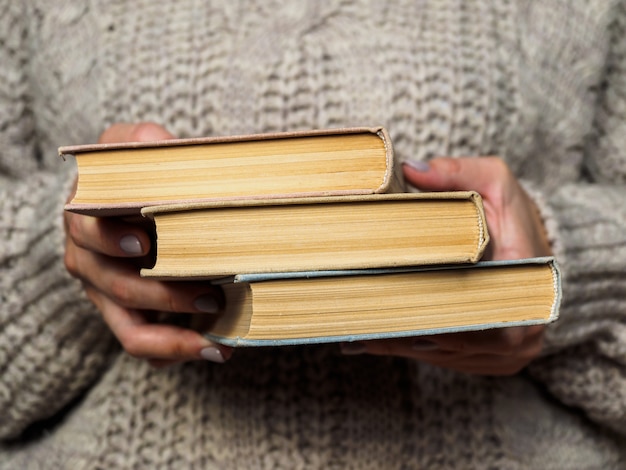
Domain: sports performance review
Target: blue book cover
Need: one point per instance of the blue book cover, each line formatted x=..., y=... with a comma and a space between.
x=355, y=305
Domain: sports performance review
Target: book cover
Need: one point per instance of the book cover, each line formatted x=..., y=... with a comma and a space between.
x=336, y=306
x=204, y=241
x=121, y=178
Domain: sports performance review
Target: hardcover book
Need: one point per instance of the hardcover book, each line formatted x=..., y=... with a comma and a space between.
x=205, y=241
x=120, y=179
x=332, y=306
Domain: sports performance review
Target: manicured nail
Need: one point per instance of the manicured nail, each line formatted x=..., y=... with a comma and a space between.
x=352, y=349
x=212, y=354
x=131, y=245
x=418, y=165
x=206, y=304
x=424, y=345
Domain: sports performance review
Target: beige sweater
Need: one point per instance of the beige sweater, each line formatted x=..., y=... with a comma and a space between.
x=542, y=84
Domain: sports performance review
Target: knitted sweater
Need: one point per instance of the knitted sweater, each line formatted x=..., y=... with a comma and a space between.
x=542, y=84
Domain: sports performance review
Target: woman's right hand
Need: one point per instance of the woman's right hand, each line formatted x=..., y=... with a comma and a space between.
x=104, y=253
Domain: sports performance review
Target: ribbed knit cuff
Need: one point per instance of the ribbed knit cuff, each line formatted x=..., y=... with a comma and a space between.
x=548, y=218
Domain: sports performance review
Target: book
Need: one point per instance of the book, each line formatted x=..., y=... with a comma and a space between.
x=333, y=306
x=204, y=241
x=120, y=179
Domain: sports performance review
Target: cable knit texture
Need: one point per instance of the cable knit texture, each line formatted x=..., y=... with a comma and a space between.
x=543, y=84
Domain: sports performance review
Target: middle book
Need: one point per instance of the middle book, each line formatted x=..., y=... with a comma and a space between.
x=212, y=240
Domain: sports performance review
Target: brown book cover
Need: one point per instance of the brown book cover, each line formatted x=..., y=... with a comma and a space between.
x=121, y=178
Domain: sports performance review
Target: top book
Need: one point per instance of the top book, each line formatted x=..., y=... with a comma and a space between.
x=121, y=179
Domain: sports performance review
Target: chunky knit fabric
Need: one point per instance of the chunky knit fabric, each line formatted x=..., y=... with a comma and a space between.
x=542, y=84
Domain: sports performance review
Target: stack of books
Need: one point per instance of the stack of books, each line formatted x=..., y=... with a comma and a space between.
x=313, y=238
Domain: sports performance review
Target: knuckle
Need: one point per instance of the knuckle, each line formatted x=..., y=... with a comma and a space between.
x=145, y=131
x=497, y=162
x=177, y=347
x=173, y=304
x=106, y=136
x=121, y=292
x=499, y=167
x=533, y=351
x=518, y=251
x=92, y=295
x=84, y=231
x=449, y=165
x=511, y=342
x=74, y=228
x=174, y=299
x=71, y=264
x=132, y=344
x=521, y=349
x=515, y=338
x=176, y=350
x=501, y=179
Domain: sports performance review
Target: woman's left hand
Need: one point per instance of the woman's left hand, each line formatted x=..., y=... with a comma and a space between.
x=516, y=230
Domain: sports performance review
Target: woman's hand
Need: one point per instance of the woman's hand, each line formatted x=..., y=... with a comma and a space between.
x=516, y=232
x=104, y=253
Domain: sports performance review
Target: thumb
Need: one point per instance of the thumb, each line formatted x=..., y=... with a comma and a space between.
x=138, y=132
x=453, y=174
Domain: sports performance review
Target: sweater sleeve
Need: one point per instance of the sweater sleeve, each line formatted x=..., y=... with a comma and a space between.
x=52, y=342
x=584, y=364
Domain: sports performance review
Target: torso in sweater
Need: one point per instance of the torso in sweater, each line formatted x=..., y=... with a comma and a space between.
x=446, y=78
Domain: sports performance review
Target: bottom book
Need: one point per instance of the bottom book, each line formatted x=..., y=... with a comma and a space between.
x=333, y=306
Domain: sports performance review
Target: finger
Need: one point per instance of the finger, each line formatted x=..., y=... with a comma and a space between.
x=514, y=223
x=157, y=342
x=457, y=174
x=498, y=341
x=139, y=132
x=485, y=365
x=481, y=364
x=163, y=363
x=120, y=281
x=505, y=348
x=529, y=349
x=107, y=236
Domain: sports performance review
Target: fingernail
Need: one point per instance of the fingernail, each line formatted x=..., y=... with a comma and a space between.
x=212, y=354
x=352, y=349
x=206, y=304
x=131, y=245
x=424, y=345
x=418, y=165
